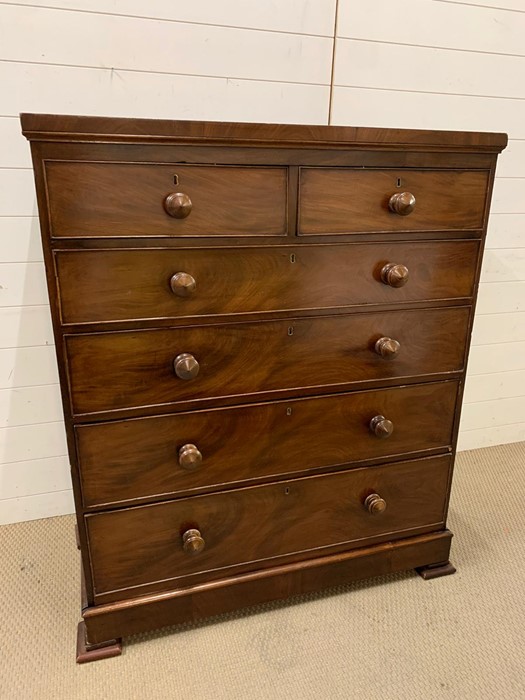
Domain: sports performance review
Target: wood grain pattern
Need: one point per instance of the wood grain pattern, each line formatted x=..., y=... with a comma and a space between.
x=110, y=285
x=110, y=371
x=334, y=200
x=125, y=460
x=116, y=129
x=156, y=610
x=143, y=545
x=279, y=461
x=126, y=199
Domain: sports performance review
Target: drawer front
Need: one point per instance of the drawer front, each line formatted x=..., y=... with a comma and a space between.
x=335, y=200
x=129, y=369
x=126, y=199
x=143, y=457
x=107, y=285
x=310, y=516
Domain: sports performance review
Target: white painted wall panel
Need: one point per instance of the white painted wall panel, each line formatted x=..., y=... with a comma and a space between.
x=106, y=92
x=32, y=442
x=17, y=193
x=506, y=231
x=428, y=70
x=488, y=4
x=34, y=477
x=418, y=110
x=43, y=505
x=20, y=235
x=295, y=16
x=23, y=326
x=14, y=152
x=22, y=283
x=31, y=366
x=428, y=23
x=486, y=437
x=509, y=195
x=129, y=43
x=498, y=328
x=501, y=297
x=489, y=414
x=504, y=265
x=30, y=405
x=510, y=162
x=499, y=385
x=504, y=357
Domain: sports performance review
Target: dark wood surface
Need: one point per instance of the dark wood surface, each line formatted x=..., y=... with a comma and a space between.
x=114, y=129
x=111, y=371
x=109, y=285
x=143, y=545
x=125, y=460
x=127, y=199
x=375, y=297
x=431, y=571
x=347, y=201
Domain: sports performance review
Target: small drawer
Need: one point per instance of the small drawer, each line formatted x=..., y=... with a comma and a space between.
x=207, y=537
x=112, y=200
x=188, y=452
x=345, y=201
x=251, y=361
x=118, y=285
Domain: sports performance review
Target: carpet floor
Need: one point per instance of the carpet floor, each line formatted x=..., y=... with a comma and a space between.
x=393, y=637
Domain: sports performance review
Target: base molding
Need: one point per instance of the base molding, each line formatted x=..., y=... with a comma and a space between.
x=94, y=652
x=112, y=621
x=430, y=571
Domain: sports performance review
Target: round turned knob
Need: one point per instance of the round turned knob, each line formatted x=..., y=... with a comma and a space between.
x=375, y=504
x=402, y=203
x=192, y=541
x=394, y=275
x=186, y=366
x=387, y=347
x=182, y=284
x=189, y=457
x=178, y=205
x=381, y=427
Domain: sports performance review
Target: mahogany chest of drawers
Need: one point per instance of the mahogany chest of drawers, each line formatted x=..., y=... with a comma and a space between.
x=262, y=333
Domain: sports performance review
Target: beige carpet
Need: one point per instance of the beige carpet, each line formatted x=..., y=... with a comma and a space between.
x=460, y=636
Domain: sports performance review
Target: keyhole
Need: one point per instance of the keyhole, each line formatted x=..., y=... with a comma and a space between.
x=175, y=179
x=290, y=330
x=288, y=411
x=286, y=491
x=292, y=258
x=398, y=183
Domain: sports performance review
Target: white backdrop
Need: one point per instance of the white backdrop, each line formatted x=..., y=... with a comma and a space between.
x=437, y=64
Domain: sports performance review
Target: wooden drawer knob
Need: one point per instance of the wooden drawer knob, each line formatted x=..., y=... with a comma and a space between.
x=375, y=504
x=182, y=284
x=186, y=366
x=387, y=348
x=394, y=275
x=192, y=541
x=402, y=203
x=381, y=427
x=178, y=205
x=190, y=457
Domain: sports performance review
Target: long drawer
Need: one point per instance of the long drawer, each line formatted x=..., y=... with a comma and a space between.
x=344, y=200
x=151, y=199
x=109, y=285
x=186, y=452
x=302, y=517
x=130, y=369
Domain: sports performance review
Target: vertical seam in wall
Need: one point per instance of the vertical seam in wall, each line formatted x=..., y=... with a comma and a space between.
x=333, y=64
